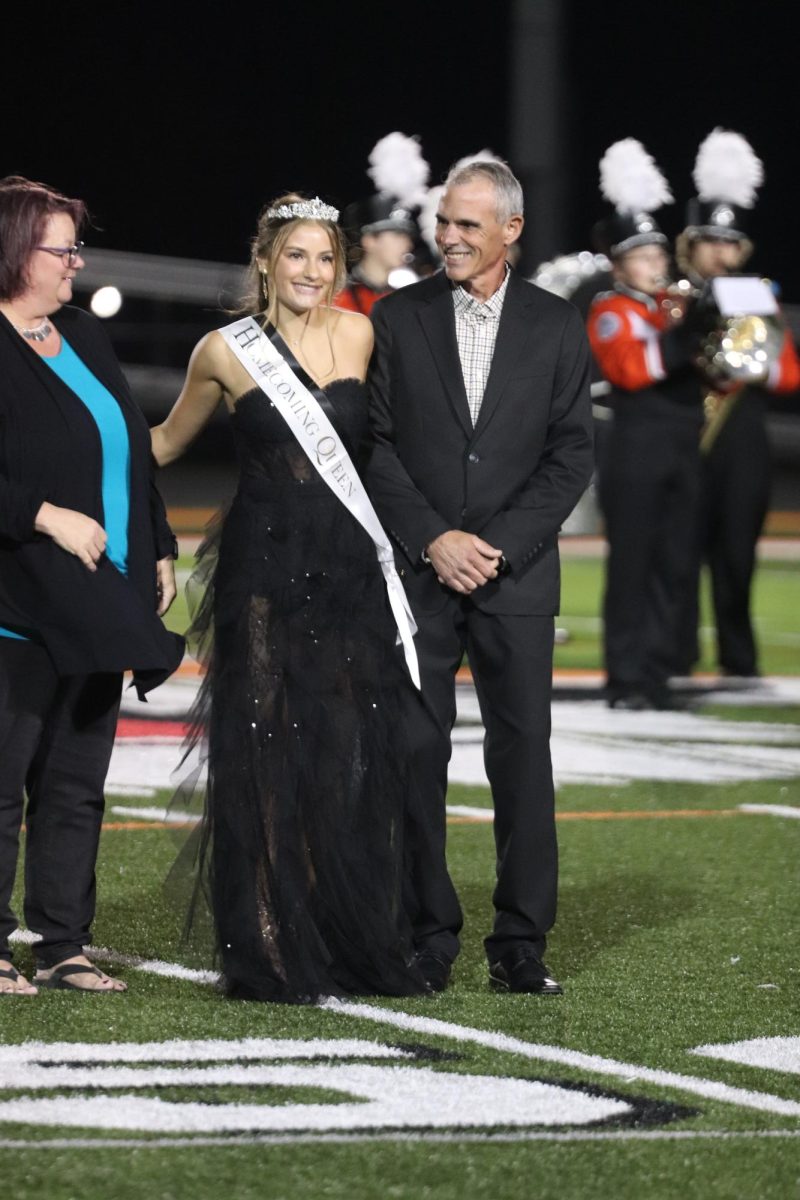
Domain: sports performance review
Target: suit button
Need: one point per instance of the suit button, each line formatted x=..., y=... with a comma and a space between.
x=473, y=457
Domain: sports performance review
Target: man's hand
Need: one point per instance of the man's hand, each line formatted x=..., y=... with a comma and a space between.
x=165, y=584
x=74, y=532
x=463, y=561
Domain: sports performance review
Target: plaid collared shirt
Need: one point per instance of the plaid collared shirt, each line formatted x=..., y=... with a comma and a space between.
x=476, y=334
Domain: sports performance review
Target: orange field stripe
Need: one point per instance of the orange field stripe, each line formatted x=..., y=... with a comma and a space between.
x=630, y=815
x=666, y=814
x=147, y=824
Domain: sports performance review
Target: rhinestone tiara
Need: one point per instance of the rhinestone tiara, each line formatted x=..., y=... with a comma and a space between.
x=315, y=210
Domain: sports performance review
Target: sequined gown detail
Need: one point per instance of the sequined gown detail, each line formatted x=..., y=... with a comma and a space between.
x=301, y=842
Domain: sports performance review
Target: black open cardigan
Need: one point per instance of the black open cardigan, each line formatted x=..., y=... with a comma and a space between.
x=50, y=450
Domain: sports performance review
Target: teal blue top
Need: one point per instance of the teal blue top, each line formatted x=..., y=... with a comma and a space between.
x=115, y=452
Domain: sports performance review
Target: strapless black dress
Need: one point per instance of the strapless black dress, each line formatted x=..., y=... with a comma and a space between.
x=301, y=846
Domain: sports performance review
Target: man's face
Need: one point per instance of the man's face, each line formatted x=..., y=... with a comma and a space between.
x=709, y=257
x=471, y=240
x=643, y=269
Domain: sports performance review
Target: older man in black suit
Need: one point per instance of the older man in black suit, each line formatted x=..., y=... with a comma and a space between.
x=482, y=445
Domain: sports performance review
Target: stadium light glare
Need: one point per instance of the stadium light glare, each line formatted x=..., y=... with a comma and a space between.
x=106, y=302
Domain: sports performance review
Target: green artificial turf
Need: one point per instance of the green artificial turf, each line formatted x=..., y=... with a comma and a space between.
x=776, y=607
x=776, y=614
x=672, y=932
x=678, y=926
x=774, y=714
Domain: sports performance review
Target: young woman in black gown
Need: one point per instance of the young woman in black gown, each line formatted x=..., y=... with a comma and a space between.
x=301, y=842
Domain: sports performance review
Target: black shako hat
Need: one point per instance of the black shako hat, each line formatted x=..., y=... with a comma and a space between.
x=727, y=174
x=631, y=181
x=617, y=234
x=376, y=214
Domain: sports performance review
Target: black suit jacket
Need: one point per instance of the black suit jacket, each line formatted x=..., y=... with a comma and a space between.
x=516, y=475
x=50, y=450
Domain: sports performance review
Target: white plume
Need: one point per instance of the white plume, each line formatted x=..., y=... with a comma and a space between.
x=398, y=169
x=426, y=218
x=484, y=155
x=727, y=168
x=630, y=179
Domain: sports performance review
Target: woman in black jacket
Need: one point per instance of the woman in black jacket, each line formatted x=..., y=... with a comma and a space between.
x=86, y=570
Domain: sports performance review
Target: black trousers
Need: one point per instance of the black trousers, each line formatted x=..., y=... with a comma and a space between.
x=649, y=492
x=56, y=737
x=734, y=506
x=511, y=658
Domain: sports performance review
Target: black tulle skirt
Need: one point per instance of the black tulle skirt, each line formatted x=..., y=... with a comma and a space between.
x=298, y=861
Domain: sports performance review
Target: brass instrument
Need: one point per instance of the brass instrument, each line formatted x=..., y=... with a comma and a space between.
x=741, y=348
x=675, y=299
x=736, y=348
x=717, y=408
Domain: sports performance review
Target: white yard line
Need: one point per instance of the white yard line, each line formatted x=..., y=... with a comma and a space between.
x=628, y=1072
x=167, y=815
x=616, y=1135
x=775, y=810
x=596, y=1064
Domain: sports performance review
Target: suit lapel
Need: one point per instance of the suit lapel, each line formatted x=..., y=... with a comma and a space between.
x=512, y=338
x=439, y=326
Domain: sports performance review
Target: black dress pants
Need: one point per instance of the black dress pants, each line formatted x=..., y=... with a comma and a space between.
x=511, y=658
x=649, y=491
x=736, y=504
x=56, y=737
x=733, y=507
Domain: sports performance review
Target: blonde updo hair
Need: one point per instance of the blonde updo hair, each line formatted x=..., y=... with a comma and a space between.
x=272, y=234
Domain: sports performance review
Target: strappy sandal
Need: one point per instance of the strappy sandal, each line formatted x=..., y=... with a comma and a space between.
x=58, y=979
x=13, y=974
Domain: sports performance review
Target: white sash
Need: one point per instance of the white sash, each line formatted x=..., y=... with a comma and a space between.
x=324, y=448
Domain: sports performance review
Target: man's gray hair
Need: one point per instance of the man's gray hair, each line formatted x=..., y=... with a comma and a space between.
x=507, y=187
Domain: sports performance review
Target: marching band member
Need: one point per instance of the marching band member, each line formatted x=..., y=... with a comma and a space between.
x=736, y=467
x=649, y=476
x=383, y=225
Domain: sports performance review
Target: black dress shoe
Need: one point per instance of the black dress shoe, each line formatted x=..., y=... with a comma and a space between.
x=522, y=970
x=435, y=969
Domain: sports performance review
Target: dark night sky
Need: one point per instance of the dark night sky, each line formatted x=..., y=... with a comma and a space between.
x=178, y=122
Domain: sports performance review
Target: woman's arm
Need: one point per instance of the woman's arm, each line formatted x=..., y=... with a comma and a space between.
x=196, y=404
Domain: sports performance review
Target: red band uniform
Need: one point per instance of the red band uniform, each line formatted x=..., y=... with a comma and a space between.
x=648, y=485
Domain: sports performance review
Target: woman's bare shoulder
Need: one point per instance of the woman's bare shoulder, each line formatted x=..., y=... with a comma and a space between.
x=353, y=329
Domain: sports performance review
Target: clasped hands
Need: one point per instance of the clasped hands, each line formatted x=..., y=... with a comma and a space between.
x=463, y=561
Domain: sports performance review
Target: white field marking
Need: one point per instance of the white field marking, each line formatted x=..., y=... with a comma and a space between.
x=604, y=756
x=131, y=789
x=767, y=1053
x=171, y=701
x=775, y=810
x=590, y=743
x=522, y=1135
x=465, y=810
x=767, y=692
x=629, y=1072
x=152, y=966
x=378, y=1097
x=167, y=815
x=22, y=1064
x=25, y=936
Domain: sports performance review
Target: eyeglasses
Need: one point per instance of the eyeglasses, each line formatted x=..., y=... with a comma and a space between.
x=68, y=254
